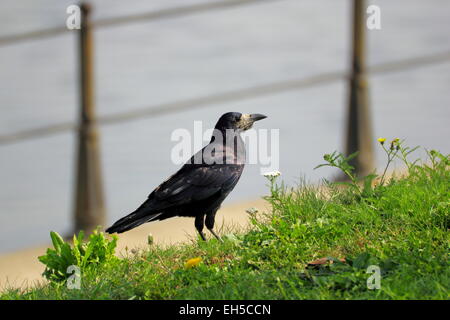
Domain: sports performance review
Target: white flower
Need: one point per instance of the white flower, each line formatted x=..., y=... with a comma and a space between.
x=272, y=174
x=150, y=239
x=321, y=221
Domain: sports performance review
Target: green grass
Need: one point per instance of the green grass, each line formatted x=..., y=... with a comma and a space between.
x=402, y=227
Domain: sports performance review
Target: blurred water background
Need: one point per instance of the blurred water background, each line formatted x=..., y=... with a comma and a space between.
x=150, y=63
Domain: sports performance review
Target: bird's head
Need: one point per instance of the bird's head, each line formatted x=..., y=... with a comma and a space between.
x=238, y=121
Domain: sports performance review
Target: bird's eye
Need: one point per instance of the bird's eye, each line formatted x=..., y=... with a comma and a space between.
x=237, y=118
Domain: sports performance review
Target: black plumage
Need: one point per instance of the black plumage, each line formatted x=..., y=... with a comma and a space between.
x=202, y=184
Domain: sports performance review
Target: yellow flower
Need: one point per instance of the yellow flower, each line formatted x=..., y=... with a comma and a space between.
x=394, y=143
x=192, y=262
x=381, y=140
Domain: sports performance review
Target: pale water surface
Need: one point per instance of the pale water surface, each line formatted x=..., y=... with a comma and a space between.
x=147, y=64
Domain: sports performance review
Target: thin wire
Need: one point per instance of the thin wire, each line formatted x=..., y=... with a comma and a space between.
x=224, y=97
x=178, y=12
x=178, y=106
x=406, y=64
x=147, y=16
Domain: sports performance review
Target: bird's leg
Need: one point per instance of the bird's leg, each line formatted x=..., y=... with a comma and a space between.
x=199, y=223
x=210, y=225
x=215, y=235
x=202, y=235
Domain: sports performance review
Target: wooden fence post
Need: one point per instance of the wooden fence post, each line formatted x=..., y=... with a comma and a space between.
x=359, y=126
x=89, y=206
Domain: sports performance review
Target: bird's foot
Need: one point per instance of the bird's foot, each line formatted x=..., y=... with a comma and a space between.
x=215, y=235
x=202, y=235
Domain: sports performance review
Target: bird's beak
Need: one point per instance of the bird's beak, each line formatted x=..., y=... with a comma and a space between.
x=247, y=120
x=256, y=116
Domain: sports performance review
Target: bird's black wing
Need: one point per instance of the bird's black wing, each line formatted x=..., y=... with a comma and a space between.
x=193, y=183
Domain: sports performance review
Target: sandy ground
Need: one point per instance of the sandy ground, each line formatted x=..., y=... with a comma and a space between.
x=22, y=268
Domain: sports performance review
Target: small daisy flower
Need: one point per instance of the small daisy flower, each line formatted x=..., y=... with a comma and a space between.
x=272, y=174
x=381, y=140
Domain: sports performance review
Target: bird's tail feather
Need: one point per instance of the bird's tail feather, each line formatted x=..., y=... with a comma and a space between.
x=131, y=221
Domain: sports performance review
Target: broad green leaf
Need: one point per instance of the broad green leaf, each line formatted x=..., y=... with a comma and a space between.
x=57, y=240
